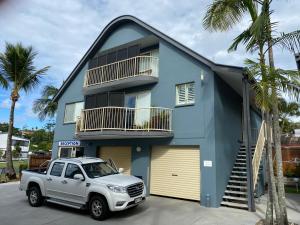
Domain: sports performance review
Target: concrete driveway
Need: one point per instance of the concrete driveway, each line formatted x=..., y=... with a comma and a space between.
x=14, y=210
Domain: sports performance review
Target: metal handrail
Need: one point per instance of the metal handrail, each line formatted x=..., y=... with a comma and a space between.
x=125, y=119
x=259, y=148
x=131, y=67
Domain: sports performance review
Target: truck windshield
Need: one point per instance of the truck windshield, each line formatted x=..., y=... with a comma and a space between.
x=99, y=169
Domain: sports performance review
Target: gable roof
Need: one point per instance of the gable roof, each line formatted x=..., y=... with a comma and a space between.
x=113, y=25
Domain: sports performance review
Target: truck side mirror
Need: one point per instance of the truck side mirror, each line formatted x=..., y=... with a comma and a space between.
x=78, y=176
x=121, y=170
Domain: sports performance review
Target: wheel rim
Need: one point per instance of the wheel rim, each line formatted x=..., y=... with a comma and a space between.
x=97, y=208
x=33, y=197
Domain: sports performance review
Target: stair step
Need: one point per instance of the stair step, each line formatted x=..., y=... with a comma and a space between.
x=240, y=163
x=241, y=172
x=240, y=160
x=235, y=198
x=237, y=187
x=238, y=176
x=240, y=168
x=235, y=192
x=233, y=204
x=237, y=182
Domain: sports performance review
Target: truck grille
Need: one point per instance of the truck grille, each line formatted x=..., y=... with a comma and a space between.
x=135, y=189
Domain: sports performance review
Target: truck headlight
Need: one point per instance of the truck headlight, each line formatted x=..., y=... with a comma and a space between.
x=116, y=188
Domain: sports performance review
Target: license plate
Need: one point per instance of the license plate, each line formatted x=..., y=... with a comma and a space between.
x=137, y=200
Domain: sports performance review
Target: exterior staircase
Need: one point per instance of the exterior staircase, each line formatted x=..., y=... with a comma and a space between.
x=236, y=191
x=235, y=195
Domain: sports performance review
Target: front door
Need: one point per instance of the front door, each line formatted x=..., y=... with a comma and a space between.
x=74, y=190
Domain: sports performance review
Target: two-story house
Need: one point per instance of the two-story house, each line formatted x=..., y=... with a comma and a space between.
x=162, y=112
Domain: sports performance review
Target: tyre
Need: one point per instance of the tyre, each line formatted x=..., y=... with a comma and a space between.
x=98, y=208
x=35, y=197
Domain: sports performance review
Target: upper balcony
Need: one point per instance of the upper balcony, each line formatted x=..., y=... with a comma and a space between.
x=135, y=71
x=123, y=122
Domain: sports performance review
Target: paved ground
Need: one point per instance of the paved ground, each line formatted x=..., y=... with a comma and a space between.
x=14, y=210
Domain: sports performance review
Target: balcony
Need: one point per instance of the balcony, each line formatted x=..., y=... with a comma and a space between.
x=122, y=122
x=139, y=70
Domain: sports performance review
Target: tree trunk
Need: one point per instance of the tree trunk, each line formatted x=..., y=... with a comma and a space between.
x=9, y=162
x=283, y=220
x=278, y=154
x=270, y=165
x=269, y=212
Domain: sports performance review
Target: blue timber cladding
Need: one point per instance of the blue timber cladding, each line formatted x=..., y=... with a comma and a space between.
x=213, y=123
x=73, y=93
x=228, y=128
x=124, y=34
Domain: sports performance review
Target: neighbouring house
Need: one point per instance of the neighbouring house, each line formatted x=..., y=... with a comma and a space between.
x=161, y=111
x=16, y=141
x=290, y=148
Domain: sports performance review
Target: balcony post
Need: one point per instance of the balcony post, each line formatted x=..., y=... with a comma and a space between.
x=134, y=68
x=149, y=120
x=102, y=120
x=118, y=66
x=125, y=121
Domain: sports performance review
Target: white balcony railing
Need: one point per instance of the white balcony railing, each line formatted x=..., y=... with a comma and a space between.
x=132, y=67
x=125, y=119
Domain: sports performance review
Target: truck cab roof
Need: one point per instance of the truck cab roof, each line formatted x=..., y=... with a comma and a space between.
x=80, y=160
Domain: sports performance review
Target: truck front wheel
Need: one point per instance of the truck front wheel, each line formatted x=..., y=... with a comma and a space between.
x=35, y=197
x=98, y=208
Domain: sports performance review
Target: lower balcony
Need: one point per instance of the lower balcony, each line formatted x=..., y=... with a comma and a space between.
x=123, y=122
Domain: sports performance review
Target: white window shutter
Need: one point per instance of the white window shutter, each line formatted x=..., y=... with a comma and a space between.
x=185, y=93
x=190, y=93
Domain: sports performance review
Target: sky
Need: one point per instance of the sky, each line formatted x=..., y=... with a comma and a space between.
x=62, y=31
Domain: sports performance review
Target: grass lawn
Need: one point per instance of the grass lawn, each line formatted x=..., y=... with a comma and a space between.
x=16, y=164
x=292, y=190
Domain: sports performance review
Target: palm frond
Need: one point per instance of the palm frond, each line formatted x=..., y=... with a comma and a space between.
x=44, y=106
x=222, y=15
x=289, y=41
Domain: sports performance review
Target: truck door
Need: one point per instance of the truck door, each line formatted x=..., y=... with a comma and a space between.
x=54, y=180
x=75, y=190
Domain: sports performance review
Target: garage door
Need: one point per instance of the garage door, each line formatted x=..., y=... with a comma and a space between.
x=120, y=155
x=175, y=172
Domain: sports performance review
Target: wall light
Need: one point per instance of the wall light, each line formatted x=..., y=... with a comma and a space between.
x=202, y=75
x=138, y=149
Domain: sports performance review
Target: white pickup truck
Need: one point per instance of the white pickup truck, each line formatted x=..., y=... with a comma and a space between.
x=81, y=183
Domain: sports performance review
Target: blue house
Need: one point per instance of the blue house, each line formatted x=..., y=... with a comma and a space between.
x=184, y=124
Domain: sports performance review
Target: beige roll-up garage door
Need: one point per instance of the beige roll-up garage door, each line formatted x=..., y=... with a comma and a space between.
x=175, y=172
x=121, y=155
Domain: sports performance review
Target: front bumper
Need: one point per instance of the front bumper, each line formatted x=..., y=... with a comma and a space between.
x=124, y=201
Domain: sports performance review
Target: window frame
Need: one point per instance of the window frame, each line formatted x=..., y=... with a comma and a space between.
x=186, y=94
x=75, y=165
x=64, y=164
x=70, y=103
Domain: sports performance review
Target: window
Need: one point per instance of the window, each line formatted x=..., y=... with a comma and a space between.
x=70, y=152
x=98, y=169
x=72, y=111
x=185, y=93
x=71, y=170
x=65, y=152
x=57, y=169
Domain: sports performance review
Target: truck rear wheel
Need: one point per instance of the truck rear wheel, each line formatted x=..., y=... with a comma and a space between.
x=98, y=208
x=35, y=197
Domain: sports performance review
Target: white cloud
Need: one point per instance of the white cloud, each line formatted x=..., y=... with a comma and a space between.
x=6, y=103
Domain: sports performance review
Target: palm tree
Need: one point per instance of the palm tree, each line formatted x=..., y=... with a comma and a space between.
x=17, y=68
x=287, y=110
x=44, y=106
x=224, y=14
